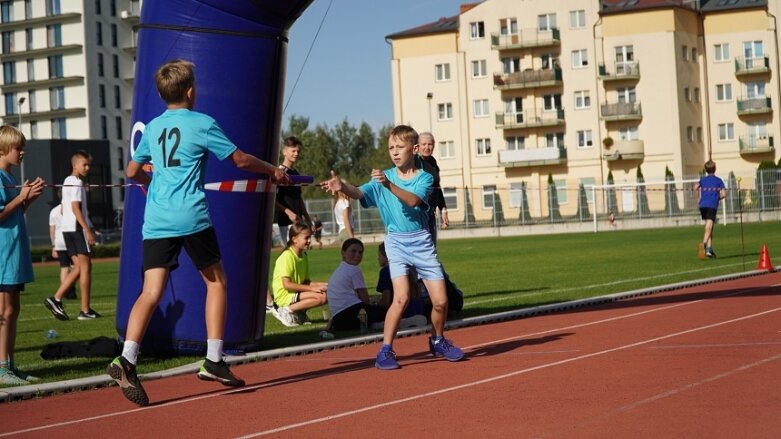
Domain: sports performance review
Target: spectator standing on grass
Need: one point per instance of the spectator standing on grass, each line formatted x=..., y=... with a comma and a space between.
x=343, y=215
x=176, y=186
x=79, y=239
x=16, y=265
x=710, y=190
x=59, y=251
x=400, y=194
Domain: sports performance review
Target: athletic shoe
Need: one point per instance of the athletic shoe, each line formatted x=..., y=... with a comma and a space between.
x=418, y=320
x=286, y=316
x=89, y=315
x=220, y=372
x=443, y=348
x=270, y=308
x=55, y=306
x=124, y=374
x=701, y=251
x=302, y=318
x=386, y=360
x=709, y=253
x=23, y=375
x=9, y=378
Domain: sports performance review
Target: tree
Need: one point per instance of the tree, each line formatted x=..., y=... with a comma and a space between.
x=642, y=196
x=583, y=210
x=670, y=194
x=553, y=200
x=612, y=202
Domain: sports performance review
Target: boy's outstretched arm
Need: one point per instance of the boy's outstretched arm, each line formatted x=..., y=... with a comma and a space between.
x=334, y=185
x=248, y=162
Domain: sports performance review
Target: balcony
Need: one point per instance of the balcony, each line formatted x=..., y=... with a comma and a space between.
x=626, y=150
x=526, y=38
x=620, y=111
x=751, y=106
x=532, y=118
x=621, y=71
x=528, y=79
x=554, y=155
x=751, y=66
x=753, y=144
x=67, y=49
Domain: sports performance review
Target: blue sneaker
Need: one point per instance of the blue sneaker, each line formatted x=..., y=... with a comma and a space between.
x=443, y=348
x=386, y=360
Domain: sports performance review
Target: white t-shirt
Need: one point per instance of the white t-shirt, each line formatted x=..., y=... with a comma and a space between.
x=341, y=205
x=73, y=190
x=342, y=285
x=55, y=219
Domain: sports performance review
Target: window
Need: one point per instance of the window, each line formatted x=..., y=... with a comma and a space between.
x=753, y=50
x=579, y=58
x=120, y=126
x=756, y=130
x=54, y=35
x=511, y=65
x=696, y=95
x=442, y=72
x=33, y=129
x=447, y=149
x=628, y=133
x=546, y=22
x=97, y=7
x=103, y=127
x=10, y=103
x=584, y=139
x=30, y=69
x=723, y=92
x=28, y=9
x=476, y=30
x=114, y=35
x=699, y=134
x=755, y=89
x=55, y=66
x=481, y=108
x=102, y=95
x=582, y=99
x=577, y=19
x=508, y=26
x=554, y=140
x=57, y=98
x=445, y=111
x=587, y=183
x=8, y=42
x=548, y=61
x=117, y=97
x=32, y=101
x=101, y=72
x=9, y=72
x=626, y=95
x=7, y=11
x=690, y=134
x=120, y=159
x=694, y=54
x=115, y=65
x=516, y=195
x=483, y=147
x=721, y=52
x=59, y=129
x=28, y=37
x=551, y=102
x=451, y=199
x=99, y=31
x=113, y=5
x=561, y=191
x=52, y=8
x=687, y=96
x=489, y=196
x=479, y=69
x=515, y=143
x=685, y=53
x=726, y=131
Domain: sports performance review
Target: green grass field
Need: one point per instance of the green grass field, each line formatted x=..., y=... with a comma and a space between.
x=496, y=274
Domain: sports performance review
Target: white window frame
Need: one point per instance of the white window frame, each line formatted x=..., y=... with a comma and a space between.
x=476, y=30
x=508, y=26
x=690, y=134
x=586, y=182
x=546, y=22
x=489, y=192
x=451, y=197
x=483, y=147
x=579, y=59
x=442, y=72
x=516, y=195
x=687, y=95
x=721, y=53
x=561, y=191
x=445, y=111
x=481, y=108
x=554, y=140
x=577, y=19
x=479, y=68
x=549, y=102
x=515, y=143
x=582, y=99
x=585, y=139
x=724, y=92
x=726, y=132
x=447, y=149
x=629, y=133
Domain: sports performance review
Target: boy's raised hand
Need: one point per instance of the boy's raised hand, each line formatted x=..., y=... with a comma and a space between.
x=281, y=177
x=32, y=190
x=332, y=185
x=379, y=176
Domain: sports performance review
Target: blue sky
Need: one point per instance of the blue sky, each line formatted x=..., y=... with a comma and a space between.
x=347, y=75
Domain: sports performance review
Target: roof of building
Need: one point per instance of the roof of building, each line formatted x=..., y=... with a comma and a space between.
x=618, y=6
x=443, y=25
x=720, y=5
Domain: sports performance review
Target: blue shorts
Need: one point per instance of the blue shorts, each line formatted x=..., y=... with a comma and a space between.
x=406, y=250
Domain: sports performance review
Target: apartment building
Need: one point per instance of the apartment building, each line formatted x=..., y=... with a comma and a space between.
x=68, y=69
x=517, y=91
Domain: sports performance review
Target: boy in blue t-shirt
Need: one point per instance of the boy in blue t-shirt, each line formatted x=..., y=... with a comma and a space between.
x=710, y=190
x=400, y=193
x=178, y=143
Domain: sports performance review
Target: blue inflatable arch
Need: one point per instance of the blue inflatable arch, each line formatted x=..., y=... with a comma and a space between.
x=239, y=49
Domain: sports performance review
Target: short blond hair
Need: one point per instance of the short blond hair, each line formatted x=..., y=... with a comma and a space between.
x=10, y=137
x=173, y=79
x=405, y=133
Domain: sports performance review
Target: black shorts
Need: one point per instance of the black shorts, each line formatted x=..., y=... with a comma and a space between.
x=76, y=243
x=708, y=213
x=201, y=246
x=13, y=288
x=65, y=260
x=347, y=319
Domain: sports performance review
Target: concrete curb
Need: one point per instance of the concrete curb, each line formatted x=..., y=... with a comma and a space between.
x=11, y=394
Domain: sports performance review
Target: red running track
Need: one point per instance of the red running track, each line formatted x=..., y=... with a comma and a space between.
x=696, y=362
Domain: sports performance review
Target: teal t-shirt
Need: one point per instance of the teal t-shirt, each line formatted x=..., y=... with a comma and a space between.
x=177, y=143
x=16, y=264
x=397, y=216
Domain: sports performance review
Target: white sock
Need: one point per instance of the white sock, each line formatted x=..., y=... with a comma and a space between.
x=130, y=351
x=214, y=350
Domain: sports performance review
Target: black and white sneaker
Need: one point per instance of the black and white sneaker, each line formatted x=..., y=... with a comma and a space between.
x=220, y=372
x=125, y=375
x=89, y=315
x=55, y=306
